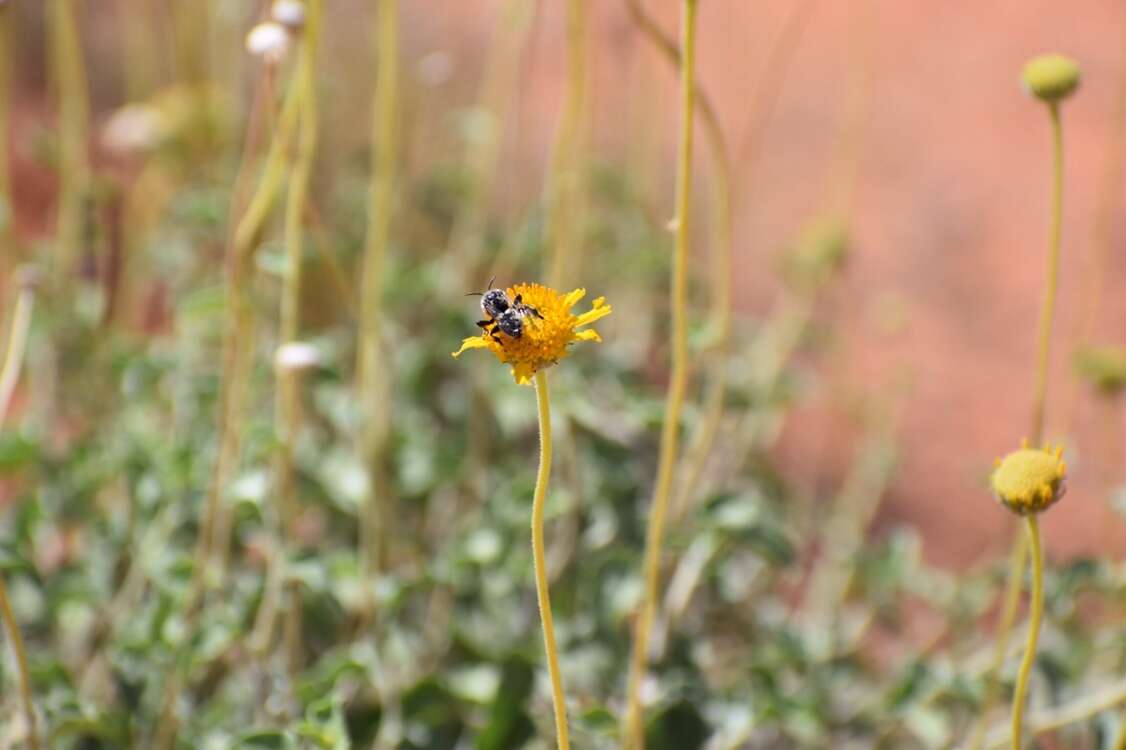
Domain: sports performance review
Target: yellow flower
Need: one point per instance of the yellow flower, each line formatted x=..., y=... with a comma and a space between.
x=1030, y=480
x=544, y=338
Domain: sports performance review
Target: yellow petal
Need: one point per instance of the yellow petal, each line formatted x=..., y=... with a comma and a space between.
x=571, y=298
x=522, y=372
x=594, y=314
x=588, y=335
x=474, y=342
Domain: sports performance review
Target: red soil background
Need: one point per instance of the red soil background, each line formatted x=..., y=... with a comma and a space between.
x=950, y=207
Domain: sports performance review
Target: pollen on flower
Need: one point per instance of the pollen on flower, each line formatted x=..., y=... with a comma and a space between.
x=548, y=328
x=1030, y=480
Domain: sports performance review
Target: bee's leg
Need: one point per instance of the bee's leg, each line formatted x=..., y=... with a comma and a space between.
x=533, y=311
x=484, y=323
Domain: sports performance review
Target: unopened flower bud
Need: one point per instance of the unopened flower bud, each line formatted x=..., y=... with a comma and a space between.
x=1030, y=480
x=296, y=355
x=289, y=13
x=1050, y=78
x=268, y=40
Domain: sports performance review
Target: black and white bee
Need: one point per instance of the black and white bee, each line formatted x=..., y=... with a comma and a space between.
x=502, y=313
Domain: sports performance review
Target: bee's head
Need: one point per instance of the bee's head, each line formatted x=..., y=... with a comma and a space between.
x=494, y=302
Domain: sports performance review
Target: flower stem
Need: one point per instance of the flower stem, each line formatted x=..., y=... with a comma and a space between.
x=69, y=71
x=214, y=540
x=721, y=236
x=1017, y=559
x=287, y=402
x=1080, y=709
x=1036, y=614
x=376, y=517
x=634, y=733
x=565, y=188
x=13, y=363
x=17, y=346
x=1044, y=329
x=1036, y=434
x=21, y=664
x=1099, y=243
x=538, y=558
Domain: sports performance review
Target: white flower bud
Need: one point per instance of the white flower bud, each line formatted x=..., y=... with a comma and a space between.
x=268, y=40
x=133, y=128
x=296, y=355
x=289, y=13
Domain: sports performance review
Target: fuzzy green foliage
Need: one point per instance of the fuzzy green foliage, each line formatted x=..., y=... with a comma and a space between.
x=1104, y=367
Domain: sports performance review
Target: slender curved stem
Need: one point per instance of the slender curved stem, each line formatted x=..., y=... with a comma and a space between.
x=1047, y=311
x=670, y=433
x=722, y=221
x=376, y=517
x=558, y=698
x=69, y=71
x=13, y=363
x=1036, y=434
x=214, y=542
x=565, y=185
x=1017, y=559
x=1099, y=243
x=17, y=346
x=287, y=401
x=1036, y=614
x=10, y=623
x=1082, y=708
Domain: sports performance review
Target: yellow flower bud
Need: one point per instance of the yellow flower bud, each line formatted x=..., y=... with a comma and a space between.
x=1050, y=78
x=1029, y=480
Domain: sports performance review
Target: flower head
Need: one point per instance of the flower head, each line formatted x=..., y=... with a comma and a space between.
x=1030, y=480
x=1051, y=77
x=548, y=328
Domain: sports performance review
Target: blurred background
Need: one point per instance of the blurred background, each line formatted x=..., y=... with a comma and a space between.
x=945, y=275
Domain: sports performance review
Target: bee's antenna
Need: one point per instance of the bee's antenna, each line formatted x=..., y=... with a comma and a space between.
x=474, y=294
x=494, y=278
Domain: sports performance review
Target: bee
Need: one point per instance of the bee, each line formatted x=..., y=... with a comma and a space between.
x=502, y=313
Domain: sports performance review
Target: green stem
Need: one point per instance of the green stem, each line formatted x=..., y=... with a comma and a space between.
x=213, y=539
x=1017, y=559
x=372, y=372
x=670, y=432
x=1044, y=336
x=1036, y=614
x=1080, y=709
x=565, y=183
x=287, y=403
x=9, y=374
x=10, y=623
x=558, y=697
x=1047, y=311
x=722, y=225
x=69, y=73
x=17, y=346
